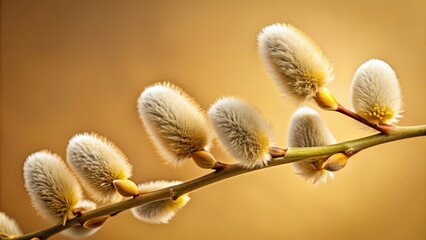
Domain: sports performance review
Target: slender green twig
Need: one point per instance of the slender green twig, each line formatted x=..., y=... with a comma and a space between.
x=292, y=155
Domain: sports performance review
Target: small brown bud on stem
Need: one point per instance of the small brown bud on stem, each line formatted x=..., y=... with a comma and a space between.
x=277, y=152
x=95, y=222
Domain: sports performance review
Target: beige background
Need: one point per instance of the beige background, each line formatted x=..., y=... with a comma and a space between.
x=74, y=66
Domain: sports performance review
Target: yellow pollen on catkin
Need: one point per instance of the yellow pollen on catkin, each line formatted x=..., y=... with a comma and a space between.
x=263, y=142
x=310, y=77
x=380, y=114
x=309, y=82
x=317, y=77
x=121, y=175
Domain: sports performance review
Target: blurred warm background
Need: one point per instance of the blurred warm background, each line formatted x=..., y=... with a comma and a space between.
x=74, y=66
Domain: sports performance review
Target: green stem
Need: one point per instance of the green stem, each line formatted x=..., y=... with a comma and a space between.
x=292, y=155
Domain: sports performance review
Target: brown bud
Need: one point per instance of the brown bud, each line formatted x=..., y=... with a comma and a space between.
x=219, y=166
x=204, y=159
x=276, y=152
x=336, y=162
x=95, y=222
x=326, y=100
x=126, y=187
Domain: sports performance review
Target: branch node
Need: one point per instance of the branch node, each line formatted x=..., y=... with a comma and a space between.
x=277, y=152
x=115, y=213
x=219, y=166
x=173, y=195
x=350, y=152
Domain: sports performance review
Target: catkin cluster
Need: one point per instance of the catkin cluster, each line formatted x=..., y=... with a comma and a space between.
x=300, y=69
x=98, y=166
x=180, y=129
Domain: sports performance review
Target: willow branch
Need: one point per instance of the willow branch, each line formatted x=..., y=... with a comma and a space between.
x=292, y=155
x=383, y=128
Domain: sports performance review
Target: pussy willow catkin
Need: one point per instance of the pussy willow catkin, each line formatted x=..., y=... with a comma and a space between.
x=375, y=93
x=174, y=121
x=242, y=131
x=53, y=189
x=98, y=162
x=294, y=61
x=308, y=130
x=162, y=211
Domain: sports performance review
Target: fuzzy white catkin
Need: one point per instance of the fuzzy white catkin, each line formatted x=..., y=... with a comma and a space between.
x=308, y=130
x=162, y=211
x=375, y=93
x=174, y=122
x=98, y=162
x=53, y=189
x=242, y=131
x=8, y=226
x=80, y=231
x=295, y=62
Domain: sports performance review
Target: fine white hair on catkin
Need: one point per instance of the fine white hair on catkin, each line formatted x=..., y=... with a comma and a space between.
x=80, y=231
x=308, y=130
x=242, y=131
x=162, y=211
x=174, y=121
x=98, y=162
x=294, y=61
x=8, y=226
x=375, y=93
x=53, y=189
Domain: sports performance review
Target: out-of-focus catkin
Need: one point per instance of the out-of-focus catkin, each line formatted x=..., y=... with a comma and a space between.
x=8, y=227
x=308, y=130
x=80, y=231
x=162, y=211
